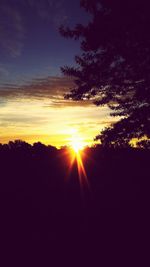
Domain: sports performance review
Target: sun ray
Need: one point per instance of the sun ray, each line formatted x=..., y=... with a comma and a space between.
x=81, y=169
x=77, y=150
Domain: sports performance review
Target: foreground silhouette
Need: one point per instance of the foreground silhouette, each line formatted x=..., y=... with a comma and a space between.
x=47, y=218
x=113, y=65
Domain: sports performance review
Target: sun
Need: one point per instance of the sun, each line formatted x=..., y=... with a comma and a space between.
x=77, y=145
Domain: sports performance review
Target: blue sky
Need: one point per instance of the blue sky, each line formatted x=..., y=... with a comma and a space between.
x=30, y=43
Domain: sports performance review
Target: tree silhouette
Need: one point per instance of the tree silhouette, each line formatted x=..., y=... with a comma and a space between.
x=114, y=67
x=144, y=144
x=18, y=144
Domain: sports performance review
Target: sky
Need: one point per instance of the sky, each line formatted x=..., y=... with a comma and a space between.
x=32, y=87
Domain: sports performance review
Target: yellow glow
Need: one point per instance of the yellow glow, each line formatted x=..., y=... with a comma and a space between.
x=76, y=142
x=77, y=146
x=34, y=120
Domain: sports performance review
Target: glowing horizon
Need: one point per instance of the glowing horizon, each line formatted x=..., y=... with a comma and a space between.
x=34, y=120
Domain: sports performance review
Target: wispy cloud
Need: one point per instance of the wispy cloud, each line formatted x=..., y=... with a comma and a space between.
x=38, y=111
x=3, y=72
x=13, y=15
x=50, y=10
x=29, y=120
x=11, y=29
x=52, y=88
x=48, y=87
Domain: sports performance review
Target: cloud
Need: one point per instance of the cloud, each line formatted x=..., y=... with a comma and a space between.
x=49, y=87
x=3, y=72
x=11, y=29
x=52, y=88
x=13, y=15
x=61, y=103
x=50, y=10
x=17, y=120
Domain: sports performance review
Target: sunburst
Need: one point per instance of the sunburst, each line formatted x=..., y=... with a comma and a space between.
x=77, y=146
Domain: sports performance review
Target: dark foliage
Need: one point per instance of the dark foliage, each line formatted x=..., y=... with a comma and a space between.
x=144, y=144
x=47, y=219
x=114, y=67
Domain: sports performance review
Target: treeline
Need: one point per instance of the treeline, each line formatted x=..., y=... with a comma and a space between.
x=19, y=145
x=114, y=174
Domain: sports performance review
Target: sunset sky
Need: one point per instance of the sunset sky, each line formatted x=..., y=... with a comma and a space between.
x=32, y=107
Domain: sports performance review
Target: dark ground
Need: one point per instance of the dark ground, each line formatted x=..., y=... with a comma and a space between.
x=48, y=219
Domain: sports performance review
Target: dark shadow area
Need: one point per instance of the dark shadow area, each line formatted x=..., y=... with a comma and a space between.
x=46, y=216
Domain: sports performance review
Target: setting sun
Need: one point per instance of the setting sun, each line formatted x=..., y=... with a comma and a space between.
x=77, y=146
x=77, y=143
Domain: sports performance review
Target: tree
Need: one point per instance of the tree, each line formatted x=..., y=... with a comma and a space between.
x=114, y=66
x=144, y=144
x=19, y=145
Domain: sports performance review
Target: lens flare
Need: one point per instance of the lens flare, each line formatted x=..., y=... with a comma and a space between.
x=77, y=154
x=81, y=169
